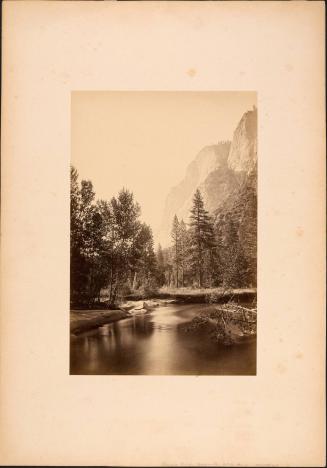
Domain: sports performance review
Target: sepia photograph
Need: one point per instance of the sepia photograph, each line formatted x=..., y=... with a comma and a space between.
x=163, y=233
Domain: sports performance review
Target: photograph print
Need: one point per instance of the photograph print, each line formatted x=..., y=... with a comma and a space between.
x=163, y=233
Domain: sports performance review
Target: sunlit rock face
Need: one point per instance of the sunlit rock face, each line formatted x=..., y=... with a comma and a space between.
x=241, y=203
x=243, y=150
x=220, y=171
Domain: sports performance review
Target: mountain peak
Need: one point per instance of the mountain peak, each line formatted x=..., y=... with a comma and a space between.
x=217, y=171
x=243, y=151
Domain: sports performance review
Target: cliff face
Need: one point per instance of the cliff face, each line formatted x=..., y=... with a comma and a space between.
x=226, y=176
x=243, y=152
x=238, y=212
x=210, y=164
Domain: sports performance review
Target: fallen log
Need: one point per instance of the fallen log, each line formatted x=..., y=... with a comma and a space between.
x=229, y=323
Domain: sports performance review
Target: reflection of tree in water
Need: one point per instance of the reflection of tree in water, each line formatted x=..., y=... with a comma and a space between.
x=88, y=348
x=155, y=343
x=142, y=326
x=86, y=345
x=180, y=327
x=116, y=335
x=122, y=335
x=106, y=342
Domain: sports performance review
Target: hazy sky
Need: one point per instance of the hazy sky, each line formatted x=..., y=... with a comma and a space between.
x=145, y=140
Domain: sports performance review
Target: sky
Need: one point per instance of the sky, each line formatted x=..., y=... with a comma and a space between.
x=144, y=141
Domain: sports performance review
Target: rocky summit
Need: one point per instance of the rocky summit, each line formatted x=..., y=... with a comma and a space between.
x=225, y=174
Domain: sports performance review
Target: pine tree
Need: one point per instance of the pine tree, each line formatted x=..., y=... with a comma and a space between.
x=211, y=264
x=201, y=236
x=175, y=235
x=161, y=267
x=183, y=241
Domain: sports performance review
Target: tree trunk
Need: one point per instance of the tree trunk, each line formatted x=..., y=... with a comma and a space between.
x=176, y=253
x=134, y=281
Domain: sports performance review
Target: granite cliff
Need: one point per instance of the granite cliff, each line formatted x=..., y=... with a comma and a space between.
x=226, y=174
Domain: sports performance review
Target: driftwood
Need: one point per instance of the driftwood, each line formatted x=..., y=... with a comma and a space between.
x=227, y=323
x=237, y=313
x=235, y=322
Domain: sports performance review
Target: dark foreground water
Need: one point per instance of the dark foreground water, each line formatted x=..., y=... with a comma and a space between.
x=154, y=344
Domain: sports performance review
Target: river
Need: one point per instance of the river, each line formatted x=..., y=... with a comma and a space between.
x=154, y=344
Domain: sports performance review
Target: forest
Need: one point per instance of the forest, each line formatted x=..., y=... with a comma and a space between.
x=112, y=250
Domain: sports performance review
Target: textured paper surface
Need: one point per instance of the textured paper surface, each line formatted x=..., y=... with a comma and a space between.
x=49, y=417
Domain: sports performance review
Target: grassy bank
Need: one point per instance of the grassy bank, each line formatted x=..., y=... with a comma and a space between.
x=200, y=296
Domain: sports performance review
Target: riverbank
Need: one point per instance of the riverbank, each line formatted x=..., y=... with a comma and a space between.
x=200, y=296
x=85, y=320
x=82, y=320
x=179, y=295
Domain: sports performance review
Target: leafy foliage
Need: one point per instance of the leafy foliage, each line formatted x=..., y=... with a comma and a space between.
x=110, y=247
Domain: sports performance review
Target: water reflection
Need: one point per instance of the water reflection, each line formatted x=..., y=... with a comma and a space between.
x=153, y=344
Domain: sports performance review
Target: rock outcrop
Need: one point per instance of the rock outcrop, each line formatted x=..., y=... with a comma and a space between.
x=243, y=151
x=225, y=173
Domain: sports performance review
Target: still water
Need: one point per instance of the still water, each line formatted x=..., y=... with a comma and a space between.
x=154, y=344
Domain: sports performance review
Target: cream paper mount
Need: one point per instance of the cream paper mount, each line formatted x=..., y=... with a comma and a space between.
x=49, y=417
